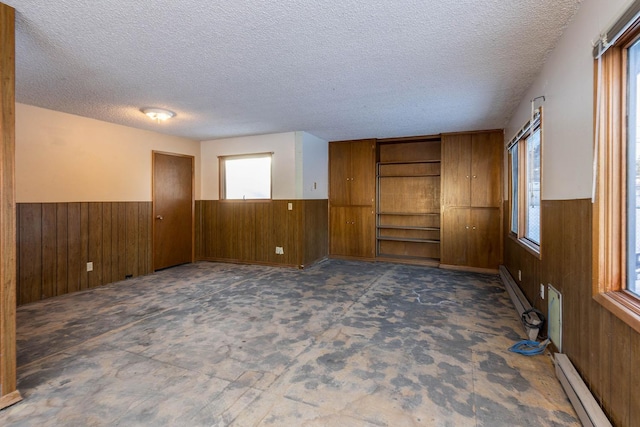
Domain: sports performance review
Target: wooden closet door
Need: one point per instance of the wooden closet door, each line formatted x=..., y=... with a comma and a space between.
x=486, y=167
x=363, y=175
x=456, y=161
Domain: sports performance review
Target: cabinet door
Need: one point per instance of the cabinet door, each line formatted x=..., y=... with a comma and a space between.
x=339, y=172
x=455, y=232
x=363, y=229
x=351, y=231
x=486, y=168
x=484, y=249
x=363, y=175
x=456, y=169
x=339, y=231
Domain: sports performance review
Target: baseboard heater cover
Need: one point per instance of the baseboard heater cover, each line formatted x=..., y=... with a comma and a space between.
x=521, y=304
x=588, y=410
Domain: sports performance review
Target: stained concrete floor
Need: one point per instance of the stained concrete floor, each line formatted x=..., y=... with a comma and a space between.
x=338, y=344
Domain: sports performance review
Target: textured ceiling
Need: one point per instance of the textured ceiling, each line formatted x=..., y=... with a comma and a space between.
x=339, y=69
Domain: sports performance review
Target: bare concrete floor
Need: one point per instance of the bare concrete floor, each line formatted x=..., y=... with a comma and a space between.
x=338, y=344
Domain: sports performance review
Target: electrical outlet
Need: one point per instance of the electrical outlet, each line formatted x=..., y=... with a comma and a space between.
x=541, y=291
x=519, y=275
x=89, y=266
x=279, y=250
x=290, y=206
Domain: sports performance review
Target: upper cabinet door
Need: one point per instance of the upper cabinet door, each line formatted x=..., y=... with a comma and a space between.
x=486, y=169
x=363, y=175
x=456, y=170
x=352, y=173
x=340, y=172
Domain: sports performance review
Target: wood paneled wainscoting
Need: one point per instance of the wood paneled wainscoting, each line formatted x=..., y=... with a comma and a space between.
x=603, y=348
x=249, y=232
x=55, y=241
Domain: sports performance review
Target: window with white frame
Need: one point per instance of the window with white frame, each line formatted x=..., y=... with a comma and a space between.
x=245, y=177
x=525, y=165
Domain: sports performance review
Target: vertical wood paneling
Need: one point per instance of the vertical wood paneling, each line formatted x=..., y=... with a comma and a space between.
x=634, y=396
x=49, y=245
x=144, y=238
x=621, y=356
x=603, y=349
x=74, y=246
x=122, y=241
x=56, y=240
x=131, y=237
x=95, y=244
x=315, y=233
x=30, y=253
x=250, y=231
x=107, y=261
x=62, y=253
x=199, y=232
x=84, y=245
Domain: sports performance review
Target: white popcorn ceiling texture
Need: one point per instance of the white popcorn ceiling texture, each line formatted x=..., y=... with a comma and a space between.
x=338, y=69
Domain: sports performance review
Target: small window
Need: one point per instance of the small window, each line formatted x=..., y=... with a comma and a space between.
x=245, y=177
x=525, y=164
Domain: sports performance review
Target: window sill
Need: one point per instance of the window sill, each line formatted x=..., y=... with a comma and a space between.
x=528, y=246
x=623, y=305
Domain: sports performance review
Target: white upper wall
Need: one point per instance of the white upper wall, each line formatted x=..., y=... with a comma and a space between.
x=283, y=165
x=566, y=81
x=312, y=155
x=299, y=159
x=66, y=158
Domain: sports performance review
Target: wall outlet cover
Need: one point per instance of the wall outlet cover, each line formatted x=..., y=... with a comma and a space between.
x=90, y=266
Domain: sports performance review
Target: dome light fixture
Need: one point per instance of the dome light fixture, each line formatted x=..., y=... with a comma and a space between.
x=158, y=114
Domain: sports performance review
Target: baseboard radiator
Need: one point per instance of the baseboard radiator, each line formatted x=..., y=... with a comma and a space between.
x=521, y=304
x=588, y=410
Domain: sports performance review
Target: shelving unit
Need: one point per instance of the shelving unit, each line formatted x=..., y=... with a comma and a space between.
x=408, y=202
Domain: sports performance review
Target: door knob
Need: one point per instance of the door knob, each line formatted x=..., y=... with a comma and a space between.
x=159, y=217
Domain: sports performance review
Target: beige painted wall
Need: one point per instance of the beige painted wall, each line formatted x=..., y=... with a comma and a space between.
x=566, y=81
x=66, y=158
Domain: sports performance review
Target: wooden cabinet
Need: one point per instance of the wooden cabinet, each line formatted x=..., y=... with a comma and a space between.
x=351, y=231
x=473, y=169
x=352, y=198
x=408, y=213
x=472, y=199
x=471, y=237
x=352, y=173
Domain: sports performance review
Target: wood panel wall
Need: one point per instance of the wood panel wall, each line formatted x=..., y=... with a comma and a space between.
x=602, y=348
x=8, y=393
x=250, y=231
x=56, y=240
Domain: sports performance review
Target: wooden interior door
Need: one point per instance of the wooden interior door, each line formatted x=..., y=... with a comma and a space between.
x=486, y=167
x=456, y=170
x=173, y=210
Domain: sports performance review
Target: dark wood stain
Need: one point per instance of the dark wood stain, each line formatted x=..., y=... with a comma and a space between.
x=56, y=240
x=603, y=349
x=250, y=231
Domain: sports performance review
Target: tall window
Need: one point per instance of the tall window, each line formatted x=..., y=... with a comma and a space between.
x=616, y=211
x=633, y=170
x=524, y=169
x=245, y=177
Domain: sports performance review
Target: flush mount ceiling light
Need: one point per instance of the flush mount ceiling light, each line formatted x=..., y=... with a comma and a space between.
x=158, y=114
